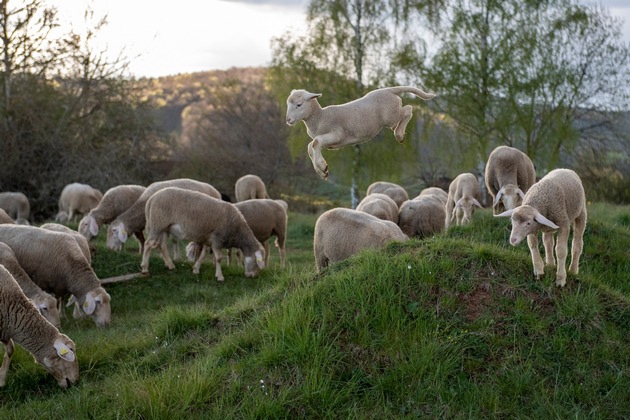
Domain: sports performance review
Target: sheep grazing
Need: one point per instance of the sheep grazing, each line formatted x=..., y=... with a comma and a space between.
x=5, y=218
x=81, y=241
x=423, y=216
x=555, y=202
x=435, y=191
x=44, y=302
x=340, y=233
x=351, y=123
x=379, y=205
x=463, y=195
x=55, y=262
x=266, y=218
x=16, y=205
x=132, y=220
x=209, y=222
x=77, y=198
x=248, y=187
x=394, y=191
x=21, y=322
x=115, y=201
x=509, y=174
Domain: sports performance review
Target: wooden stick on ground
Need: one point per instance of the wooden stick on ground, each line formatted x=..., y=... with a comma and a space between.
x=124, y=277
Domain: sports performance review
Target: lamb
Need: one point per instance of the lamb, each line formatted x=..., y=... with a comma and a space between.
x=394, y=191
x=555, y=202
x=115, y=201
x=81, y=241
x=351, y=123
x=132, y=220
x=509, y=174
x=248, y=187
x=379, y=205
x=55, y=262
x=5, y=218
x=196, y=217
x=16, y=205
x=44, y=302
x=435, y=191
x=77, y=198
x=341, y=233
x=463, y=194
x=21, y=322
x=423, y=216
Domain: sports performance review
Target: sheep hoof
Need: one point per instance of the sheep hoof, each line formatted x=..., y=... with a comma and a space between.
x=220, y=279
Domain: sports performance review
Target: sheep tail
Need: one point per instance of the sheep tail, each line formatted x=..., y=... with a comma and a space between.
x=397, y=90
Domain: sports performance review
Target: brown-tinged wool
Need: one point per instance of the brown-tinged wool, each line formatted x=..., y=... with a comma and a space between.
x=77, y=198
x=423, y=216
x=508, y=170
x=5, y=218
x=436, y=191
x=379, y=205
x=81, y=241
x=16, y=205
x=393, y=191
x=248, y=187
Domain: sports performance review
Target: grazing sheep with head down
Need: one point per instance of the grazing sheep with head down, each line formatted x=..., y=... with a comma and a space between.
x=379, y=205
x=77, y=198
x=555, y=202
x=423, y=216
x=207, y=221
x=463, y=195
x=435, y=191
x=21, y=322
x=16, y=205
x=509, y=174
x=340, y=233
x=394, y=191
x=81, y=241
x=248, y=187
x=351, y=123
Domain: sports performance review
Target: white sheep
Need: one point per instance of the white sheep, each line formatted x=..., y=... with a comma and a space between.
x=115, y=201
x=55, y=262
x=394, y=191
x=351, y=123
x=463, y=195
x=248, y=187
x=423, y=216
x=21, y=322
x=5, y=218
x=379, y=205
x=77, y=198
x=16, y=205
x=340, y=233
x=435, y=191
x=81, y=241
x=555, y=202
x=44, y=302
x=509, y=174
x=132, y=220
x=207, y=221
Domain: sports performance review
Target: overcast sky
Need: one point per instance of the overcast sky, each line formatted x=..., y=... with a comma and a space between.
x=183, y=36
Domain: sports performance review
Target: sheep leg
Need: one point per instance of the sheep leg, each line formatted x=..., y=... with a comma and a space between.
x=202, y=254
x=577, y=243
x=6, y=361
x=548, y=243
x=216, y=250
x=449, y=213
x=399, y=130
x=266, y=246
x=319, y=163
x=537, y=262
x=561, y=255
x=140, y=237
x=280, y=246
x=164, y=250
x=148, y=246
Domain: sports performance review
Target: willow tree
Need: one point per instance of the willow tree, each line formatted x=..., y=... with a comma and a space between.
x=350, y=47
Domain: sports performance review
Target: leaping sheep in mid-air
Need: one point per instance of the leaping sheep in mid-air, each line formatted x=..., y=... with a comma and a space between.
x=351, y=123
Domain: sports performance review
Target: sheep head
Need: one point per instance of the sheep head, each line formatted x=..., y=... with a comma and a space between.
x=96, y=305
x=509, y=197
x=300, y=105
x=526, y=220
x=254, y=263
x=88, y=227
x=60, y=361
x=467, y=205
x=116, y=235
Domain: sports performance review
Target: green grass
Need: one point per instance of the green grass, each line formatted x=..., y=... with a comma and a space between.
x=453, y=326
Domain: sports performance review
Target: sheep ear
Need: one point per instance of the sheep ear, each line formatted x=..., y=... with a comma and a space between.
x=506, y=213
x=63, y=351
x=90, y=304
x=122, y=233
x=93, y=226
x=477, y=203
x=520, y=193
x=259, y=259
x=310, y=96
x=544, y=221
x=458, y=204
x=71, y=301
x=498, y=197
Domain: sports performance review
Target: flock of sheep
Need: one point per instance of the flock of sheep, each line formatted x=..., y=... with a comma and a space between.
x=42, y=266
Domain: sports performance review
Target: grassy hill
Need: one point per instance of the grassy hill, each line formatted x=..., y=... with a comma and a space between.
x=452, y=326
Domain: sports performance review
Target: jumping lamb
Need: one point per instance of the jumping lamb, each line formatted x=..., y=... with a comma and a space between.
x=394, y=191
x=77, y=198
x=16, y=205
x=248, y=187
x=463, y=195
x=351, y=123
x=379, y=205
x=509, y=174
x=556, y=202
x=209, y=222
x=21, y=322
x=340, y=233
x=423, y=216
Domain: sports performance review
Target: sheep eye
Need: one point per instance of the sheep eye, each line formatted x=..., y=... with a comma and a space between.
x=298, y=105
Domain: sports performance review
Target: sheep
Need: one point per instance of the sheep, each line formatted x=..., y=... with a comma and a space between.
x=21, y=322
x=555, y=202
x=132, y=220
x=463, y=194
x=351, y=123
x=283, y=203
x=394, y=191
x=248, y=187
x=509, y=174
x=115, y=201
x=207, y=221
x=81, y=241
x=16, y=205
x=77, y=198
x=423, y=216
x=5, y=218
x=55, y=262
x=435, y=191
x=379, y=205
x=341, y=233
x=44, y=302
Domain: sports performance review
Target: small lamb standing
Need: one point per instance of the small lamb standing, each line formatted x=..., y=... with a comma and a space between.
x=193, y=216
x=379, y=205
x=555, y=202
x=423, y=216
x=509, y=174
x=463, y=194
x=16, y=205
x=21, y=322
x=340, y=233
x=351, y=123
x=77, y=198
x=248, y=187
